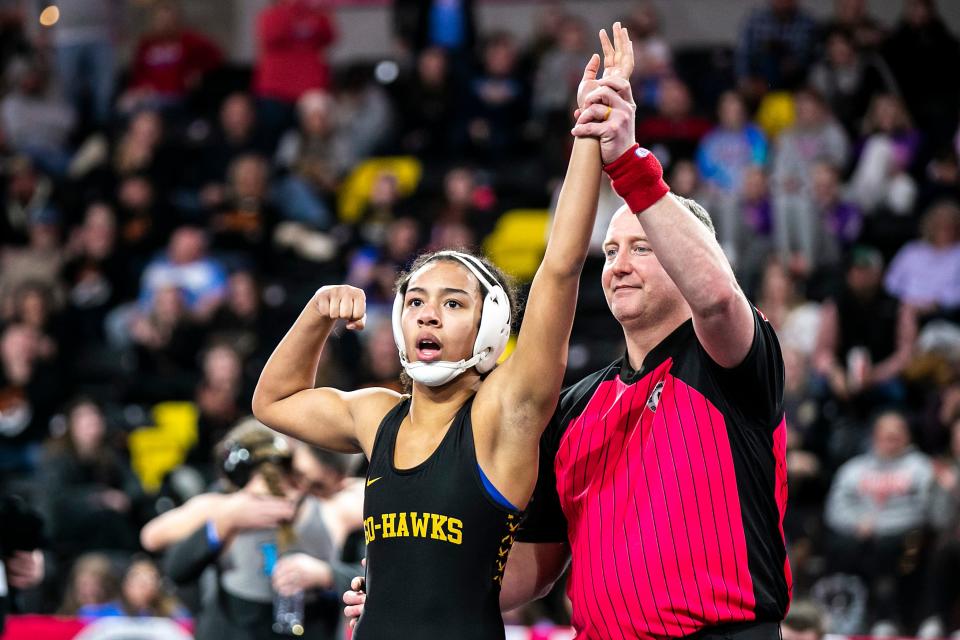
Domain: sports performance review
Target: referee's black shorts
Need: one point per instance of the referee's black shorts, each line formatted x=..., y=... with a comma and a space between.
x=739, y=631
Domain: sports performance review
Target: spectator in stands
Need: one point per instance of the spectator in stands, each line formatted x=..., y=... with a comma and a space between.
x=946, y=512
x=816, y=137
x=34, y=120
x=39, y=262
x=382, y=208
x=92, y=584
x=847, y=78
x=84, y=43
x=28, y=197
x=776, y=47
x=29, y=392
x=852, y=17
x=497, y=100
x=96, y=275
x=839, y=221
x=732, y=147
x=364, y=114
x=685, y=181
x=448, y=24
x=425, y=105
x=754, y=225
x=166, y=340
x=33, y=306
x=292, y=38
x=144, y=221
x=877, y=510
x=559, y=71
x=170, y=61
x=141, y=595
x=316, y=155
x=794, y=318
x=186, y=266
x=242, y=322
x=452, y=234
x=144, y=595
x=807, y=475
x=21, y=560
x=13, y=35
x=918, y=51
x=942, y=179
x=222, y=397
x=373, y=267
x=924, y=273
x=466, y=200
x=25, y=192
x=143, y=151
x=235, y=134
x=866, y=336
x=652, y=55
x=675, y=131
x=237, y=533
x=943, y=588
x=380, y=368
x=723, y=157
x=241, y=226
x=94, y=500
x=882, y=177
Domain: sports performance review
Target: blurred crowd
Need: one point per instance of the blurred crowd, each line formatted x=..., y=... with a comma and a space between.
x=163, y=221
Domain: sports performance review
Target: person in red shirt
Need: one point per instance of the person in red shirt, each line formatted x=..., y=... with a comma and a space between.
x=292, y=36
x=170, y=60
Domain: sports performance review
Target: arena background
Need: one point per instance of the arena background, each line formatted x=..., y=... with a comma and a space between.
x=164, y=215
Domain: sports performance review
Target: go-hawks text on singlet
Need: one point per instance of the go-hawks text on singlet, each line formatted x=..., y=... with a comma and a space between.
x=413, y=524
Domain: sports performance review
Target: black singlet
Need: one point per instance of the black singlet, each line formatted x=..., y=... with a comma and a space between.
x=437, y=542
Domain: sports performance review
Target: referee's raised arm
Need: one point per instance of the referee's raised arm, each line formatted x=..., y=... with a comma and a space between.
x=684, y=245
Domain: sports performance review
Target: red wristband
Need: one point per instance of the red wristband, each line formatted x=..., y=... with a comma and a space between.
x=637, y=177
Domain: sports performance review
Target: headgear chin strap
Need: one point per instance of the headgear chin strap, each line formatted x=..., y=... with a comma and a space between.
x=491, y=338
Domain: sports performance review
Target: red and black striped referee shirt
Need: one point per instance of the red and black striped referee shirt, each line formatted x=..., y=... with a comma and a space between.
x=670, y=483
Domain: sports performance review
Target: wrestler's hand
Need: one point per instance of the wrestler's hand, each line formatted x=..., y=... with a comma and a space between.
x=617, y=63
x=355, y=598
x=342, y=302
x=610, y=115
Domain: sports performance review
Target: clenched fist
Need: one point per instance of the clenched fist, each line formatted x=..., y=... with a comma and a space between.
x=342, y=301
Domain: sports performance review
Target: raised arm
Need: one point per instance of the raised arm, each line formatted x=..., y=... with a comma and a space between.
x=226, y=514
x=528, y=383
x=693, y=259
x=686, y=249
x=285, y=398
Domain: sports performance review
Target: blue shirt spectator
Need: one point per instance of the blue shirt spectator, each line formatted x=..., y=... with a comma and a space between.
x=731, y=148
x=201, y=279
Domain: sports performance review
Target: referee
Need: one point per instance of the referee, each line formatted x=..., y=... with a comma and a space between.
x=663, y=476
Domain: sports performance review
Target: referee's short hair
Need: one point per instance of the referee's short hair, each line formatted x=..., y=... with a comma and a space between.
x=697, y=209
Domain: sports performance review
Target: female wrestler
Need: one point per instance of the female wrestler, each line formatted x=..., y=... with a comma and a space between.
x=453, y=464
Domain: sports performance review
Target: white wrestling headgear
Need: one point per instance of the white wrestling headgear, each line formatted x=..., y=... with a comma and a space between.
x=491, y=338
